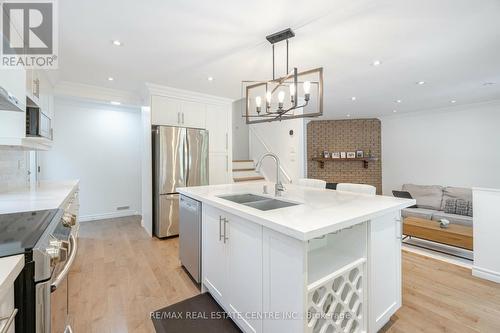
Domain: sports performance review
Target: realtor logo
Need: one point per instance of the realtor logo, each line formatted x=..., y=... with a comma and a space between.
x=29, y=32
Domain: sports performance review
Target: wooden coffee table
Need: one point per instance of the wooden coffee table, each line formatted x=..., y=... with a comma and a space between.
x=454, y=235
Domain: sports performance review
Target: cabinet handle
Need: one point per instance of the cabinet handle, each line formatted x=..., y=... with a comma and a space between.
x=10, y=320
x=400, y=223
x=225, y=234
x=183, y=118
x=227, y=163
x=227, y=141
x=220, y=228
x=178, y=117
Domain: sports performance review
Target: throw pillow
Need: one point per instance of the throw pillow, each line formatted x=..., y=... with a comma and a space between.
x=450, y=207
x=462, y=207
x=469, y=211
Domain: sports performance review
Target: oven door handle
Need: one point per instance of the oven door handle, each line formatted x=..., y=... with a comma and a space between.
x=65, y=270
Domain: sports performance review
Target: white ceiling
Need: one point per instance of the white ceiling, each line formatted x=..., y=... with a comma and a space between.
x=452, y=45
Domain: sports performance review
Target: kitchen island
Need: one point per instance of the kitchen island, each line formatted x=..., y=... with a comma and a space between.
x=329, y=261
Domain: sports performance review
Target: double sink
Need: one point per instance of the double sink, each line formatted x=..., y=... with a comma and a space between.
x=257, y=201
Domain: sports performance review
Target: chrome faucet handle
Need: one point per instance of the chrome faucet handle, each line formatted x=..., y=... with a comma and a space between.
x=278, y=188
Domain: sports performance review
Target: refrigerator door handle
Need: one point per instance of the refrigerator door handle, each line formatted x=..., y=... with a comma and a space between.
x=187, y=158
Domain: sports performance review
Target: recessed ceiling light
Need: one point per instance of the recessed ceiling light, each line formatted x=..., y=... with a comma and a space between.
x=398, y=101
x=115, y=103
x=453, y=101
x=489, y=83
x=376, y=63
x=210, y=78
x=110, y=79
x=116, y=42
x=348, y=115
x=421, y=83
x=353, y=98
x=394, y=111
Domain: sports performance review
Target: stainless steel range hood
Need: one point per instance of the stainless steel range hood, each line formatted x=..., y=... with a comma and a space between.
x=10, y=103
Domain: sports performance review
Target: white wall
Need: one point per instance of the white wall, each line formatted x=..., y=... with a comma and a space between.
x=240, y=131
x=100, y=145
x=275, y=137
x=456, y=146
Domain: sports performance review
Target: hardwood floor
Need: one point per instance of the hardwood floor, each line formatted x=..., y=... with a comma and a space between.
x=121, y=275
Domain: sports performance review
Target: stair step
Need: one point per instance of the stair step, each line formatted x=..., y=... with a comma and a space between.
x=243, y=164
x=248, y=179
x=244, y=169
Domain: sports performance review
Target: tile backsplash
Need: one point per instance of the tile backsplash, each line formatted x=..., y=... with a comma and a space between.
x=13, y=170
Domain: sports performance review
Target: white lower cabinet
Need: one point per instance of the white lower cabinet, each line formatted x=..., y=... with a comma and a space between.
x=214, y=253
x=253, y=272
x=7, y=311
x=384, y=269
x=232, y=265
x=244, y=240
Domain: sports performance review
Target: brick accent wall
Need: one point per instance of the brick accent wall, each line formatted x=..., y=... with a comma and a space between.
x=345, y=135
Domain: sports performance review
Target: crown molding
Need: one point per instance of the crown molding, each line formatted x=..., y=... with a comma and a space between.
x=95, y=93
x=160, y=90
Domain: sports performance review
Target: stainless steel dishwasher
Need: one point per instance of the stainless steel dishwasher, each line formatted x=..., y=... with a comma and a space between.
x=190, y=236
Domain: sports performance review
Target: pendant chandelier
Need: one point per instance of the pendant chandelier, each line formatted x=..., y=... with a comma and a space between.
x=294, y=95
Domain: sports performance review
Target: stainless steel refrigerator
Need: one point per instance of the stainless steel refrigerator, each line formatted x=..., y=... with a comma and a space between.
x=180, y=159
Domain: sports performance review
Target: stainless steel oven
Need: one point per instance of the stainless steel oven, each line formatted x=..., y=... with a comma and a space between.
x=54, y=255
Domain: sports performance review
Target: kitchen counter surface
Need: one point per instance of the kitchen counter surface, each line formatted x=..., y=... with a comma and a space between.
x=321, y=211
x=46, y=195
x=10, y=267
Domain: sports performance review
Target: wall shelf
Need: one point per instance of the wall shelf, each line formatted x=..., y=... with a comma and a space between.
x=365, y=160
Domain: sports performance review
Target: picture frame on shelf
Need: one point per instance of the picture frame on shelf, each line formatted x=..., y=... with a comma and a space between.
x=351, y=154
x=335, y=154
x=326, y=154
x=342, y=154
x=359, y=154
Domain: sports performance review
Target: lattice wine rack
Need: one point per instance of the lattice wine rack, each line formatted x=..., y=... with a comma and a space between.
x=336, y=302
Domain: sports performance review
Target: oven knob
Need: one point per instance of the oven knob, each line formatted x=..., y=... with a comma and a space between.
x=54, y=255
x=69, y=220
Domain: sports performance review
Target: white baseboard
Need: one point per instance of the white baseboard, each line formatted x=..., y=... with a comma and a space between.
x=486, y=274
x=87, y=218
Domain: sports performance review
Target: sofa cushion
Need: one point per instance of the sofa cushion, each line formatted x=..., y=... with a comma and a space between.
x=453, y=218
x=451, y=192
x=450, y=206
x=421, y=213
x=462, y=207
x=427, y=196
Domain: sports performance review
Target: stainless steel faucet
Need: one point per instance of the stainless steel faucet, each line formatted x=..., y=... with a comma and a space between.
x=278, y=187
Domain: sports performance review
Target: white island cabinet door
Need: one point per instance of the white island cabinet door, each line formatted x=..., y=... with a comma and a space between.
x=384, y=269
x=245, y=272
x=214, y=253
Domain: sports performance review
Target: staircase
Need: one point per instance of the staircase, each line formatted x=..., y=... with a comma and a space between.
x=244, y=171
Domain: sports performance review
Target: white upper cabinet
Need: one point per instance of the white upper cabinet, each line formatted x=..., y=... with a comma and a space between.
x=218, y=127
x=193, y=114
x=168, y=111
x=165, y=111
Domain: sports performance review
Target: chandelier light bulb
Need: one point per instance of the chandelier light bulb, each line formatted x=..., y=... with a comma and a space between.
x=281, y=98
x=307, y=90
x=258, y=102
x=292, y=92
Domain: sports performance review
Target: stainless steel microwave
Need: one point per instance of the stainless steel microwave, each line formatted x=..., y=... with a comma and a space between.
x=38, y=124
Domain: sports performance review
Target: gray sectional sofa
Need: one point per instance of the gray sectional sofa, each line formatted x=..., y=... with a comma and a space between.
x=434, y=200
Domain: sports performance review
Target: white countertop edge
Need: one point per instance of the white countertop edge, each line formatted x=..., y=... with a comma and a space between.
x=10, y=267
x=46, y=195
x=302, y=236
x=484, y=189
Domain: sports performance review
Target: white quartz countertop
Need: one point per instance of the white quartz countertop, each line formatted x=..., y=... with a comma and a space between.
x=46, y=195
x=321, y=211
x=10, y=267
